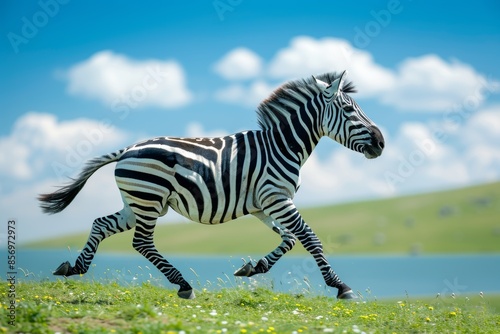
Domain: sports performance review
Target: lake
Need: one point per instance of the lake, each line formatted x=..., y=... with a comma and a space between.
x=372, y=276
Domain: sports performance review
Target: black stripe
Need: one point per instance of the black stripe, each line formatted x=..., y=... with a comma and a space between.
x=144, y=195
x=195, y=192
x=137, y=175
x=226, y=162
x=241, y=150
x=143, y=208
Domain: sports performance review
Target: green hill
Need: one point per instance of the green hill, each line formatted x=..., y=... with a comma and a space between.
x=457, y=221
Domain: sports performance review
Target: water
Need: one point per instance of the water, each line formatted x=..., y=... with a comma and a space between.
x=372, y=276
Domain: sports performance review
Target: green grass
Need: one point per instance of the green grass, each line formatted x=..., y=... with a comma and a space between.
x=458, y=221
x=70, y=306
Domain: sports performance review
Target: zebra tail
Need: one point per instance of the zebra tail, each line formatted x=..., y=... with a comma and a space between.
x=58, y=200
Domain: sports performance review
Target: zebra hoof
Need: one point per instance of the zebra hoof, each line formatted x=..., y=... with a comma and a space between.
x=63, y=269
x=346, y=293
x=186, y=294
x=246, y=271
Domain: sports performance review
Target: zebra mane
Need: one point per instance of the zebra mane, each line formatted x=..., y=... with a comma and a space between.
x=273, y=111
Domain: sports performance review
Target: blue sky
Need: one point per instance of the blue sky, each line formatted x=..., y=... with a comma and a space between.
x=426, y=74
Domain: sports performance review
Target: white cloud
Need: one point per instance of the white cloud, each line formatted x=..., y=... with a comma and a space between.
x=484, y=126
x=249, y=95
x=40, y=142
x=428, y=83
x=308, y=56
x=341, y=176
x=416, y=135
x=196, y=130
x=422, y=84
x=482, y=135
x=239, y=63
x=120, y=81
x=14, y=159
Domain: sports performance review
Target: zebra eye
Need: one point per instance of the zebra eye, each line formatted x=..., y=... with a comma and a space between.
x=348, y=108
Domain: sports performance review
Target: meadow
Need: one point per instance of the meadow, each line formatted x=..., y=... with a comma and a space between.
x=462, y=221
x=68, y=306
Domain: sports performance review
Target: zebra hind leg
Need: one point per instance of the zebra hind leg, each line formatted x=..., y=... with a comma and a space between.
x=143, y=243
x=265, y=264
x=101, y=228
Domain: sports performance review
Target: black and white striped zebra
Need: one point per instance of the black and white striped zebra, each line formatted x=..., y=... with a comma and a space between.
x=214, y=180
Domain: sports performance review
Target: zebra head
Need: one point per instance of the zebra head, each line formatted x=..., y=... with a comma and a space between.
x=344, y=121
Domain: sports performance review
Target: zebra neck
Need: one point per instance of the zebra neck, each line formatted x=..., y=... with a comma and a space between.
x=295, y=146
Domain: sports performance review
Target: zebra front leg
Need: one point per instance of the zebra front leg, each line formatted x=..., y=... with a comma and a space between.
x=101, y=228
x=266, y=263
x=313, y=245
x=287, y=215
x=143, y=243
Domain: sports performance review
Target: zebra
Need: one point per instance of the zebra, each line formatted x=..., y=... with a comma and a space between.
x=215, y=180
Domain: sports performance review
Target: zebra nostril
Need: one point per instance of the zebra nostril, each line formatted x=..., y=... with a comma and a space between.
x=377, y=139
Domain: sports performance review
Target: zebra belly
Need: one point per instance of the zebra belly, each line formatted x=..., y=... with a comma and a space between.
x=219, y=216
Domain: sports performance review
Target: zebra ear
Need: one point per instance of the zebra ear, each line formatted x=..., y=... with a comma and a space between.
x=337, y=84
x=320, y=83
x=333, y=88
x=342, y=79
